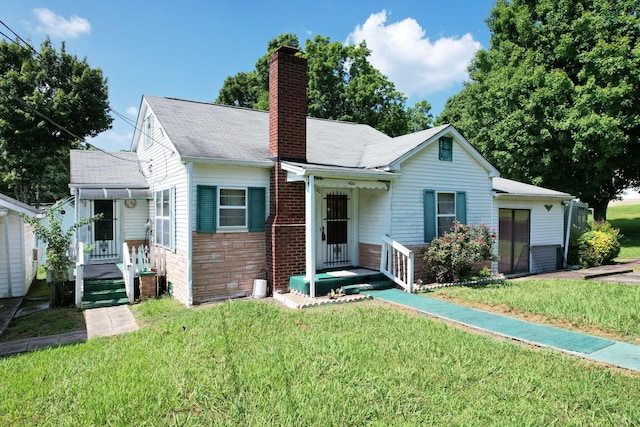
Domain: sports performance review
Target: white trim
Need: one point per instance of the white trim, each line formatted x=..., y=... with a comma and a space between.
x=310, y=233
x=230, y=162
x=189, y=231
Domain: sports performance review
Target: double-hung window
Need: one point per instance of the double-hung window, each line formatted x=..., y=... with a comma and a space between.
x=232, y=208
x=446, y=212
x=227, y=209
x=164, y=218
x=441, y=210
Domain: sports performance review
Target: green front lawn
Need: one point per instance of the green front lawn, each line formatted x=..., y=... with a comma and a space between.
x=627, y=219
x=255, y=363
x=606, y=309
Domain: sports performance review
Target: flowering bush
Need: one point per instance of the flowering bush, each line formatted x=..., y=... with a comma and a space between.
x=599, y=245
x=454, y=254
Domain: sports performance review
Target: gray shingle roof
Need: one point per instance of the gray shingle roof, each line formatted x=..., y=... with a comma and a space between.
x=515, y=188
x=202, y=130
x=16, y=205
x=100, y=169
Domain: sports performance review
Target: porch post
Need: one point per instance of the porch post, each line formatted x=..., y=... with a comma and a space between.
x=310, y=229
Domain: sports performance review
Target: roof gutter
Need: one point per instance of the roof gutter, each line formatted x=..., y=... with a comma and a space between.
x=230, y=162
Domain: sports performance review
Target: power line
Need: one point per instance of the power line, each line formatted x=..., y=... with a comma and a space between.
x=62, y=128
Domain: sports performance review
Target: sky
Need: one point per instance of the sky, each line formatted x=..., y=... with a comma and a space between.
x=185, y=49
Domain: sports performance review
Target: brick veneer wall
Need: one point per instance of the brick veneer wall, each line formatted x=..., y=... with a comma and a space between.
x=224, y=265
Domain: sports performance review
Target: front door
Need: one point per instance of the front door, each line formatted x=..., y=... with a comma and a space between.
x=335, y=244
x=105, y=232
x=513, y=241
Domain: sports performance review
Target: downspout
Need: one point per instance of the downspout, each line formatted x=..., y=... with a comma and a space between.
x=189, y=236
x=310, y=231
x=494, y=264
x=568, y=234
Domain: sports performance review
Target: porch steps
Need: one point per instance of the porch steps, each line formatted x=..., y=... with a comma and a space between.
x=104, y=293
x=351, y=281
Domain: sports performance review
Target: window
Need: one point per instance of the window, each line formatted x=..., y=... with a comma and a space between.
x=445, y=152
x=233, y=208
x=446, y=212
x=230, y=209
x=164, y=218
x=441, y=209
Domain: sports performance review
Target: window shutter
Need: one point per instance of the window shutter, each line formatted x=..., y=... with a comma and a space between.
x=461, y=207
x=206, y=209
x=172, y=206
x=256, y=208
x=429, y=205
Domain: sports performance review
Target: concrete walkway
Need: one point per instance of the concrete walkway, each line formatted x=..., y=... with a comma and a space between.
x=100, y=322
x=589, y=347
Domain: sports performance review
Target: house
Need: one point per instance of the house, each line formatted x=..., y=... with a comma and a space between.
x=19, y=254
x=235, y=194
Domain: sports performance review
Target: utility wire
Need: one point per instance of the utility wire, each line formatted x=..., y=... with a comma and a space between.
x=44, y=116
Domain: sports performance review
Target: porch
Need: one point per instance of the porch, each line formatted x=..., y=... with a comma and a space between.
x=349, y=281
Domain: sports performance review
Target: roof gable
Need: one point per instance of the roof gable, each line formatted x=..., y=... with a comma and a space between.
x=17, y=206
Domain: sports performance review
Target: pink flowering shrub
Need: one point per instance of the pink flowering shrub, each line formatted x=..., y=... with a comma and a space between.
x=453, y=255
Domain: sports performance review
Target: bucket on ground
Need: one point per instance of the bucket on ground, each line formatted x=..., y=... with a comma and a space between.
x=259, y=288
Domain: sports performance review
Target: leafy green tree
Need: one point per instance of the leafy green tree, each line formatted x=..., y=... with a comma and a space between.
x=420, y=117
x=342, y=85
x=58, y=243
x=555, y=100
x=49, y=102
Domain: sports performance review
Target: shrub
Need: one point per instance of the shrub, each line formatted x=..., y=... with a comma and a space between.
x=599, y=245
x=454, y=254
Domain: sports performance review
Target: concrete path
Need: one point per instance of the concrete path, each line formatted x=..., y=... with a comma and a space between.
x=100, y=322
x=589, y=347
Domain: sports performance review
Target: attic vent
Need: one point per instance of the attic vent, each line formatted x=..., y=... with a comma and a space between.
x=446, y=149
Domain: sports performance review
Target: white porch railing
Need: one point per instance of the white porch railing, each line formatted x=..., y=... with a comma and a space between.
x=397, y=263
x=79, y=274
x=141, y=259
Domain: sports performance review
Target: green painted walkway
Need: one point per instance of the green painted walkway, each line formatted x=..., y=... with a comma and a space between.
x=587, y=346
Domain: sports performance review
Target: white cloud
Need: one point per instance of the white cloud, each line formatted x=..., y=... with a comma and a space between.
x=416, y=65
x=132, y=111
x=59, y=26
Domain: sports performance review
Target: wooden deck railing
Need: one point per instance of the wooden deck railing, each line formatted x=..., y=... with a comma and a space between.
x=397, y=263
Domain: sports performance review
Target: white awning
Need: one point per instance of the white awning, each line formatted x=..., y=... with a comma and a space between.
x=113, y=193
x=351, y=183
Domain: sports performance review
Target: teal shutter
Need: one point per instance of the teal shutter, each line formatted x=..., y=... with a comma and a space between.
x=446, y=149
x=461, y=207
x=172, y=206
x=256, y=208
x=429, y=205
x=207, y=209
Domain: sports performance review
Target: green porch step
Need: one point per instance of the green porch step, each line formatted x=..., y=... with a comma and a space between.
x=104, y=293
x=326, y=282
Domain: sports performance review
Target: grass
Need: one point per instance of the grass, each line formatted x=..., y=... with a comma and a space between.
x=627, y=219
x=606, y=309
x=254, y=363
x=48, y=322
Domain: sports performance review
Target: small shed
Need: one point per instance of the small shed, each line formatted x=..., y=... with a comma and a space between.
x=19, y=254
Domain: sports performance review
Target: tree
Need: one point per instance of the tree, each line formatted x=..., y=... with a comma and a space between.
x=49, y=102
x=420, y=117
x=58, y=243
x=555, y=100
x=342, y=85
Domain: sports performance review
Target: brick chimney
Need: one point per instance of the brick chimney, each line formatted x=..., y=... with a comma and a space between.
x=285, y=234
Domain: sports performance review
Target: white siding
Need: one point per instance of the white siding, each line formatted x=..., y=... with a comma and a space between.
x=30, y=265
x=547, y=227
x=163, y=168
x=425, y=171
x=228, y=176
x=374, y=215
x=134, y=221
x=12, y=271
